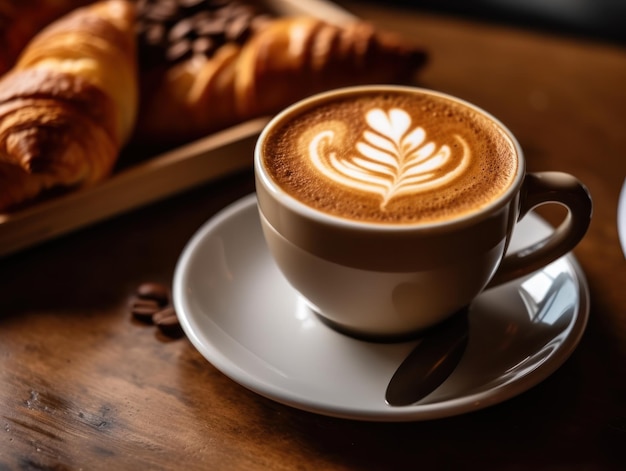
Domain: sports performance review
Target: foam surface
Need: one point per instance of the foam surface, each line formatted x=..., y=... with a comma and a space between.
x=391, y=157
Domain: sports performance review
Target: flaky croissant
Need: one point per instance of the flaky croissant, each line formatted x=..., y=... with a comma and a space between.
x=287, y=60
x=70, y=102
x=20, y=20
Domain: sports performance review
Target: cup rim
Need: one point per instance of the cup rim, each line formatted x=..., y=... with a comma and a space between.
x=321, y=217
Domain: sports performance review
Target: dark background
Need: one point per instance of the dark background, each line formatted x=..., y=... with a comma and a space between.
x=604, y=20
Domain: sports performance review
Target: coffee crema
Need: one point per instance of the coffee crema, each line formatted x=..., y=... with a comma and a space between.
x=391, y=156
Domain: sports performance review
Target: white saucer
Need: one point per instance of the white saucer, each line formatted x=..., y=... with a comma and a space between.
x=244, y=318
x=621, y=218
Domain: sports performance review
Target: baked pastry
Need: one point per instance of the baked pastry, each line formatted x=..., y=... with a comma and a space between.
x=69, y=104
x=20, y=20
x=284, y=60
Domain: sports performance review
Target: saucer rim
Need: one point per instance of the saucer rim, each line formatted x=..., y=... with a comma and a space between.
x=621, y=218
x=418, y=412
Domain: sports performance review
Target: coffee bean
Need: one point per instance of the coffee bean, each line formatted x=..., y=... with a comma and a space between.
x=167, y=322
x=151, y=304
x=216, y=4
x=154, y=34
x=154, y=291
x=165, y=26
x=204, y=46
x=203, y=16
x=164, y=315
x=181, y=30
x=210, y=26
x=144, y=309
x=238, y=28
x=179, y=50
x=233, y=9
x=191, y=3
x=161, y=11
x=146, y=303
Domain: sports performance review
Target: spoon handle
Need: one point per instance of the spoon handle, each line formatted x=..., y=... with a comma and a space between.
x=430, y=363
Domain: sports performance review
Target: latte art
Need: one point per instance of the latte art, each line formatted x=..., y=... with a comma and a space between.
x=392, y=159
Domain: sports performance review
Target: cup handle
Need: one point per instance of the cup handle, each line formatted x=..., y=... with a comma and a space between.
x=548, y=188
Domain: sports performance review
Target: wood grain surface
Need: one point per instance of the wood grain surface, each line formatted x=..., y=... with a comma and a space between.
x=83, y=386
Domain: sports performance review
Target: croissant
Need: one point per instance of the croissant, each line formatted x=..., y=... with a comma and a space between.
x=289, y=59
x=20, y=20
x=69, y=104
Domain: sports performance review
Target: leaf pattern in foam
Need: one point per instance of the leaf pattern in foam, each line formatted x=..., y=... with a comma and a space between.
x=392, y=158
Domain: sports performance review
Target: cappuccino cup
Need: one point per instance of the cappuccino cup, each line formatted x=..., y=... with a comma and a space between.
x=390, y=208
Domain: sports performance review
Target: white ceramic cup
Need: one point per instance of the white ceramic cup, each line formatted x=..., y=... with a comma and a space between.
x=387, y=281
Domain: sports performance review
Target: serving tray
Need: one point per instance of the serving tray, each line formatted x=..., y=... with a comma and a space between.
x=155, y=178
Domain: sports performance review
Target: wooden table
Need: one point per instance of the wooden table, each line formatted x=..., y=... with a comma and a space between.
x=82, y=386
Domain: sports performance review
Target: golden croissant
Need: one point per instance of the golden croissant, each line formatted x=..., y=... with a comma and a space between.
x=20, y=20
x=287, y=60
x=70, y=102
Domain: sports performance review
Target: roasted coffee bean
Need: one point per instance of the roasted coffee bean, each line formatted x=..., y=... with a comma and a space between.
x=241, y=9
x=212, y=27
x=179, y=50
x=144, y=309
x=146, y=303
x=167, y=29
x=216, y=4
x=155, y=34
x=154, y=291
x=161, y=11
x=181, y=30
x=164, y=315
x=167, y=322
x=203, y=16
x=151, y=304
x=238, y=28
x=191, y=3
x=204, y=46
